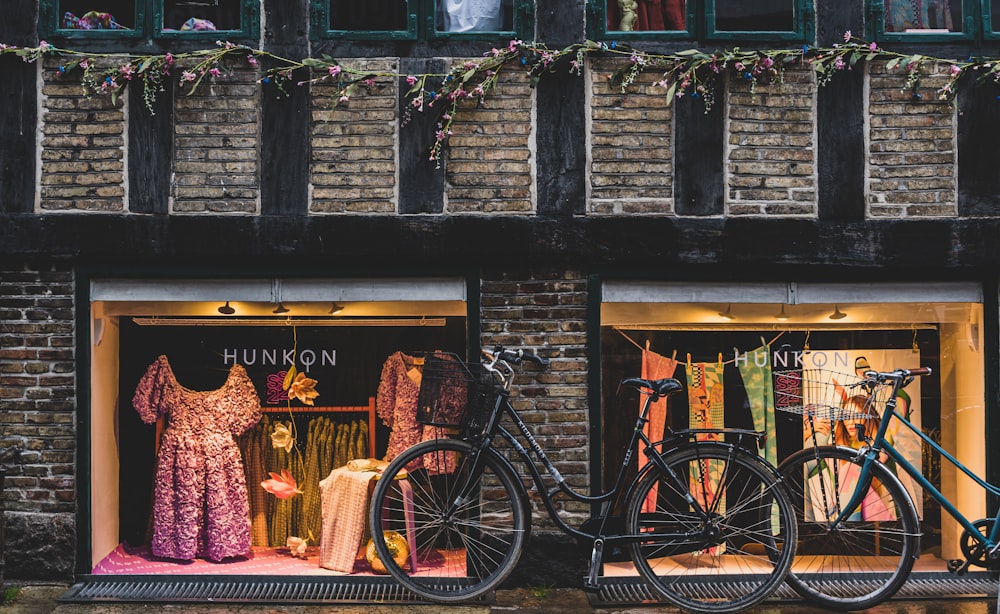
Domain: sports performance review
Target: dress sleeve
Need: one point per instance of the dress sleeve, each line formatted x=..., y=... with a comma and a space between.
x=244, y=410
x=152, y=393
x=385, y=400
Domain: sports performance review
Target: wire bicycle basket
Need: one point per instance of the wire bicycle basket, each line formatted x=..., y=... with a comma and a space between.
x=454, y=394
x=829, y=395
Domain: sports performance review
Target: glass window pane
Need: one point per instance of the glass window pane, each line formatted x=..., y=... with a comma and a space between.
x=368, y=15
x=202, y=15
x=475, y=15
x=112, y=15
x=755, y=15
x=927, y=16
x=646, y=15
x=994, y=12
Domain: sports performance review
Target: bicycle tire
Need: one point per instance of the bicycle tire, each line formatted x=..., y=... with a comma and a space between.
x=860, y=563
x=731, y=563
x=466, y=528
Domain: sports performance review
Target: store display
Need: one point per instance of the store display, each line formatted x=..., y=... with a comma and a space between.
x=201, y=506
x=655, y=366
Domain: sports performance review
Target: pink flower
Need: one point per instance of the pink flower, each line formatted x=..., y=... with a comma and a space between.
x=215, y=72
x=873, y=47
x=252, y=61
x=410, y=80
x=839, y=63
x=42, y=45
x=955, y=70
x=187, y=75
x=334, y=70
x=169, y=59
x=281, y=485
x=368, y=82
x=847, y=36
x=514, y=44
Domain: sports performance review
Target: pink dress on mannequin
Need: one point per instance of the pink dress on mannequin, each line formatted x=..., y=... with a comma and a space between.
x=200, y=504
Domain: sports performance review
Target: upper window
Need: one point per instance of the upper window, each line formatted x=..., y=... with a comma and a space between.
x=930, y=20
x=704, y=19
x=149, y=18
x=422, y=19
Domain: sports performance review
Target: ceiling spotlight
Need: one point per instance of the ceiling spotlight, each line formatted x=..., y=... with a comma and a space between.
x=226, y=309
x=335, y=308
x=837, y=313
x=728, y=313
x=280, y=308
x=781, y=315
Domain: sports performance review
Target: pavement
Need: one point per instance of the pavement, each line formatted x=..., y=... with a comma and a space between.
x=43, y=599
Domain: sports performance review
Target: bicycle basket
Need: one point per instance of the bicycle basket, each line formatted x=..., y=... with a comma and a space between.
x=829, y=395
x=453, y=395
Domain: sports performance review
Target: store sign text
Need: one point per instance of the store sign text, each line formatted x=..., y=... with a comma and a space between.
x=279, y=357
x=796, y=360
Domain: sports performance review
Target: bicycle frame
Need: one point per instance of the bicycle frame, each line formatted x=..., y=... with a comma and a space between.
x=880, y=444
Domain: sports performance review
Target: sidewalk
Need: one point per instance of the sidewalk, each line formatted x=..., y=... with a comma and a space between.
x=43, y=600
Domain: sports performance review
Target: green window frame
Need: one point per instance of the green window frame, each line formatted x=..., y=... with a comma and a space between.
x=991, y=26
x=701, y=23
x=966, y=28
x=421, y=24
x=149, y=23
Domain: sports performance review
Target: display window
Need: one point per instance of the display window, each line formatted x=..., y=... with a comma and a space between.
x=236, y=426
x=741, y=350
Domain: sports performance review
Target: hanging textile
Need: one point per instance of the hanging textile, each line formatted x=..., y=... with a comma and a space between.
x=904, y=15
x=654, y=367
x=344, y=496
x=646, y=15
x=706, y=403
x=756, y=373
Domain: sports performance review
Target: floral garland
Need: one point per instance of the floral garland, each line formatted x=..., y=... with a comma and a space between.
x=690, y=72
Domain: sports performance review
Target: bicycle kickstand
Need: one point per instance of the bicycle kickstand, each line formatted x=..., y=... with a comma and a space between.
x=596, y=555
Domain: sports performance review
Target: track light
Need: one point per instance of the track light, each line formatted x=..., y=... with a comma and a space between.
x=280, y=308
x=335, y=308
x=728, y=313
x=226, y=309
x=837, y=313
x=781, y=315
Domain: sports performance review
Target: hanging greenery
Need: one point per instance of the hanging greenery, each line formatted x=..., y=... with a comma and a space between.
x=691, y=72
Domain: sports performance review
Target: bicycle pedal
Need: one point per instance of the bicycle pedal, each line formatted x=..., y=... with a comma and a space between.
x=958, y=566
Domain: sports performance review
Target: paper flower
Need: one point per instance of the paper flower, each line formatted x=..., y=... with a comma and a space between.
x=282, y=437
x=297, y=547
x=303, y=389
x=281, y=485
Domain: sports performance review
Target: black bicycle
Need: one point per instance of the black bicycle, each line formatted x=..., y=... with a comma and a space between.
x=708, y=524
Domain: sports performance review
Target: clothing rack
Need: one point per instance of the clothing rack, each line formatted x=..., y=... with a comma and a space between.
x=335, y=409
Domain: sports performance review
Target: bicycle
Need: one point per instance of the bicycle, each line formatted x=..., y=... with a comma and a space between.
x=859, y=532
x=707, y=523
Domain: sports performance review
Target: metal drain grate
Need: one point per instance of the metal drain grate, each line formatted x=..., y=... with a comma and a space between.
x=634, y=591
x=241, y=589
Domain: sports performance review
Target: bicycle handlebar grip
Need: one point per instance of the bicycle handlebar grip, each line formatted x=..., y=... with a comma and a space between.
x=920, y=371
x=517, y=356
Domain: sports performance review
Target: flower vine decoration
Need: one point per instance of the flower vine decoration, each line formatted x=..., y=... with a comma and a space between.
x=691, y=72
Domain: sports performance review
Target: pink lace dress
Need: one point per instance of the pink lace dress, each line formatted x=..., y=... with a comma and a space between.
x=200, y=504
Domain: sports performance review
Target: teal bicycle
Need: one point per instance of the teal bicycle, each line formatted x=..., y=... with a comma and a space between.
x=859, y=532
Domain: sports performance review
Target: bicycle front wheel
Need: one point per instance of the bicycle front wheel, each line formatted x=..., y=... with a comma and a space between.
x=448, y=521
x=863, y=560
x=729, y=558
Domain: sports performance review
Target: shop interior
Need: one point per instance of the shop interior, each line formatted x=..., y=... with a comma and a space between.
x=719, y=328
x=202, y=329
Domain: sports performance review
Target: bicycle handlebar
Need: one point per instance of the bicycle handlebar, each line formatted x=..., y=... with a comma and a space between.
x=898, y=373
x=518, y=356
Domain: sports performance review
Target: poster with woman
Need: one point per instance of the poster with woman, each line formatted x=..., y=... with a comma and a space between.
x=852, y=427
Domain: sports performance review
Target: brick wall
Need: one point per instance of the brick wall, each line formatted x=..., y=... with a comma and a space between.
x=490, y=168
x=37, y=414
x=546, y=312
x=215, y=163
x=912, y=157
x=771, y=159
x=353, y=164
x=631, y=166
x=83, y=139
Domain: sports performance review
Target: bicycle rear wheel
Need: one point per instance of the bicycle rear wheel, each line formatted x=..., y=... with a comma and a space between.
x=865, y=559
x=461, y=513
x=729, y=562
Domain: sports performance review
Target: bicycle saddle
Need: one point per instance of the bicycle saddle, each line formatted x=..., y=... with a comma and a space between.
x=659, y=387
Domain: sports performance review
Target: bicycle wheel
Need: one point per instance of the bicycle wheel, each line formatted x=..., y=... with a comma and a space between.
x=864, y=560
x=462, y=514
x=734, y=559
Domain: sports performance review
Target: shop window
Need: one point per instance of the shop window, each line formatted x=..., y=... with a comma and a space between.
x=729, y=344
x=708, y=19
x=422, y=19
x=116, y=19
x=221, y=349
x=933, y=20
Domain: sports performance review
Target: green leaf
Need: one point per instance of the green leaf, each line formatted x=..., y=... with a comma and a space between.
x=671, y=90
x=891, y=64
x=145, y=64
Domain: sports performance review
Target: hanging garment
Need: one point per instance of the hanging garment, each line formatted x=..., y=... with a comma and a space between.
x=654, y=366
x=758, y=383
x=200, y=496
x=903, y=15
x=344, y=495
x=706, y=403
x=471, y=15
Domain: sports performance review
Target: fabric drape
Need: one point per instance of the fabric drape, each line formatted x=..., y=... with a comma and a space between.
x=654, y=366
